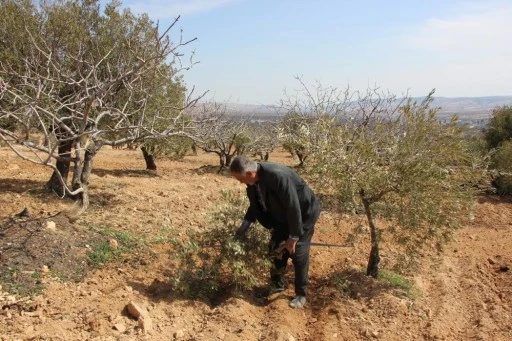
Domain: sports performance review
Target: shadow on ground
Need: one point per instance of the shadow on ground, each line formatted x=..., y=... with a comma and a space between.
x=162, y=291
x=21, y=185
x=210, y=169
x=29, y=249
x=137, y=173
x=494, y=199
x=346, y=284
x=104, y=200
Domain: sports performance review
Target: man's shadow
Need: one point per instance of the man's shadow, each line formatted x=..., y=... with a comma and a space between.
x=162, y=291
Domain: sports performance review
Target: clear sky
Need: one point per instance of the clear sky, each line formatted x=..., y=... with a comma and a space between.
x=250, y=50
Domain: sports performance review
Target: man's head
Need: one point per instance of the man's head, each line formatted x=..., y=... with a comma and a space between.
x=244, y=170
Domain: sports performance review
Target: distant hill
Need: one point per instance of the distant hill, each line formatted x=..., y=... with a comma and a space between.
x=471, y=107
x=258, y=110
x=467, y=108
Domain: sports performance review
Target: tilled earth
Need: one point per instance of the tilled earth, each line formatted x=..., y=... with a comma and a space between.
x=51, y=291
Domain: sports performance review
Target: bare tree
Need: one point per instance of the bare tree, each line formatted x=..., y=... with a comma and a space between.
x=100, y=90
x=264, y=139
x=221, y=132
x=308, y=112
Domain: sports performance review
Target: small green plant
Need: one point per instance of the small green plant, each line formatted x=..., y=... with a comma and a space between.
x=162, y=239
x=103, y=252
x=21, y=283
x=342, y=284
x=352, y=282
x=166, y=232
x=212, y=262
x=125, y=239
x=37, y=275
x=395, y=280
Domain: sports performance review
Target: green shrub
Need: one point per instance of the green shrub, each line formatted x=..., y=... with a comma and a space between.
x=499, y=128
x=502, y=164
x=396, y=280
x=102, y=253
x=478, y=146
x=209, y=263
x=22, y=283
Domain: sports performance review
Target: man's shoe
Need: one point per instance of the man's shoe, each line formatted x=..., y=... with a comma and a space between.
x=298, y=302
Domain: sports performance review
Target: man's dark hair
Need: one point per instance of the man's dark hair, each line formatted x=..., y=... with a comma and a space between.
x=242, y=164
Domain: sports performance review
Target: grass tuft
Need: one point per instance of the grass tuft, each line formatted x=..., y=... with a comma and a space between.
x=103, y=252
x=395, y=280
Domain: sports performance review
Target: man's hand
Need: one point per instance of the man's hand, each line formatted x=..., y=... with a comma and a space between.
x=290, y=245
x=242, y=230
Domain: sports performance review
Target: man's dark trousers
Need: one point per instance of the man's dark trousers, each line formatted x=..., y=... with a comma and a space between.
x=300, y=258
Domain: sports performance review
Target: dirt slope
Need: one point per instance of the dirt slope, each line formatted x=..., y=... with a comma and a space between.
x=462, y=294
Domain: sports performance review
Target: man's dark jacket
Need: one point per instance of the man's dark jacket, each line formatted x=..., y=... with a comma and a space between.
x=287, y=203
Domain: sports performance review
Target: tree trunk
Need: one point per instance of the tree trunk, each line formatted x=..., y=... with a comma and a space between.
x=228, y=160
x=150, y=161
x=63, y=162
x=373, y=261
x=81, y=177
x=222, y=161
x=76, y=181
x=240, y=151
x=301, y=158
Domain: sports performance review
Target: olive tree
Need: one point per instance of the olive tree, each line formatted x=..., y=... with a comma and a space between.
x=499, y=127
x=172, y=147
x=264, y=139
x=306, y=112
x=293, y=127
x=219, y=131
x=82, y=79
x=498, y=135
x=393, y=160
x=171, y=96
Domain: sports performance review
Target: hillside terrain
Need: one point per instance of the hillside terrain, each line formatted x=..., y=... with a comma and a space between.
x=462, y=293
x=468, y=108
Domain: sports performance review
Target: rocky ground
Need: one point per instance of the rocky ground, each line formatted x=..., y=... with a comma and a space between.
x=51, y=290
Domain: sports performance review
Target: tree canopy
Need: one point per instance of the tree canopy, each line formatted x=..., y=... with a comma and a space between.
x=80, y=79
x=499, y=127
x=393, y=160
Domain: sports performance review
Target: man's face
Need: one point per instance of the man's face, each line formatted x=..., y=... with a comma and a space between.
x=249, y=178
